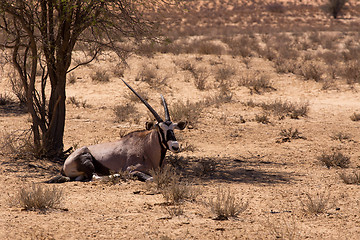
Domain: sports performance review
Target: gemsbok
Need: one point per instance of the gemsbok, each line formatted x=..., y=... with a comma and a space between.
x=138, y=152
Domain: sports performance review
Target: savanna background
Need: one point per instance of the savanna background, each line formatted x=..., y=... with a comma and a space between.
x=271, y=93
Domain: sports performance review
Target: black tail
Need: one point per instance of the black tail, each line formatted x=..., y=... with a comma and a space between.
x=58, y=179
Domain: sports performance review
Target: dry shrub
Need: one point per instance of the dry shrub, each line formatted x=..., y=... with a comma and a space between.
x=5, y=99
x=226, y=205
x=351, y=54
x=38, y=197
x=133, y=98
x=206, y=47
x=185, y=111
x=351, y=72
x=163, y=177
x=177, y=192
x=205, y=167
x=17, y=87
x=241, y=46
x=340, y=136
x=319, y=203
x=286, y=135
x=175, y=210
x=146, y=74
x=350, y=178
x=200, y=77
x=100, y=76
x=334, y=159
x=283, y=65
x=224, y=73
x=257, y=83
x=167, y=182
x=72, y=78
x=269, y=53
x=355, y=117
x=262, y=118
x=310, y=70
x=19, y=145
x=125, y=112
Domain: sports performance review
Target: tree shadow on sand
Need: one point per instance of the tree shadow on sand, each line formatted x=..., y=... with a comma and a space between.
x=225, y=169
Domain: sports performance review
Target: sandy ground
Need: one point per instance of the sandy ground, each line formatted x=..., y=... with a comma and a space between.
x=274, y=178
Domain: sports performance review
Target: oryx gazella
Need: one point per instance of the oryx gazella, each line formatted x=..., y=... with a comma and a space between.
x=137, y=152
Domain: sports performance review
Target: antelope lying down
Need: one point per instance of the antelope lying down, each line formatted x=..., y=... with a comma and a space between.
x=137, y=152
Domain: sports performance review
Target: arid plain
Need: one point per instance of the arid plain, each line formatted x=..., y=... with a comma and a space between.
x=269, y=92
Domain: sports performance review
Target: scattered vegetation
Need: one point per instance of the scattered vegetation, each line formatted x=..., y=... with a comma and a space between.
x=226, y=205
x=335, y=159
x=38, y=197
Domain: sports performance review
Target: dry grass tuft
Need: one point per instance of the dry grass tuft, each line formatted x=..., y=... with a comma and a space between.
x=341, y=136
x=350, y=178
x=177, y=192
x=283, y=229
x=38, y=197
x=319, y=203
x=335, y=159
x=262, y=118
x=226, y=205
x=286, y=135
x=77, y=103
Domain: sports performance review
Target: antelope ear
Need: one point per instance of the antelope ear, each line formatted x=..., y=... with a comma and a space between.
x=149, y=125
x=180, y=125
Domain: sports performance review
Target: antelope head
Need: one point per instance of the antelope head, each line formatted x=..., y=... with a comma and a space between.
x=165, y=128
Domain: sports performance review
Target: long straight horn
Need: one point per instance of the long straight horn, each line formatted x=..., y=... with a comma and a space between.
x=166, y=110
x=158, y=118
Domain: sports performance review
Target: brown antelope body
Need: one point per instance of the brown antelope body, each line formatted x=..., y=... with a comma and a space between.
x=138, y=152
